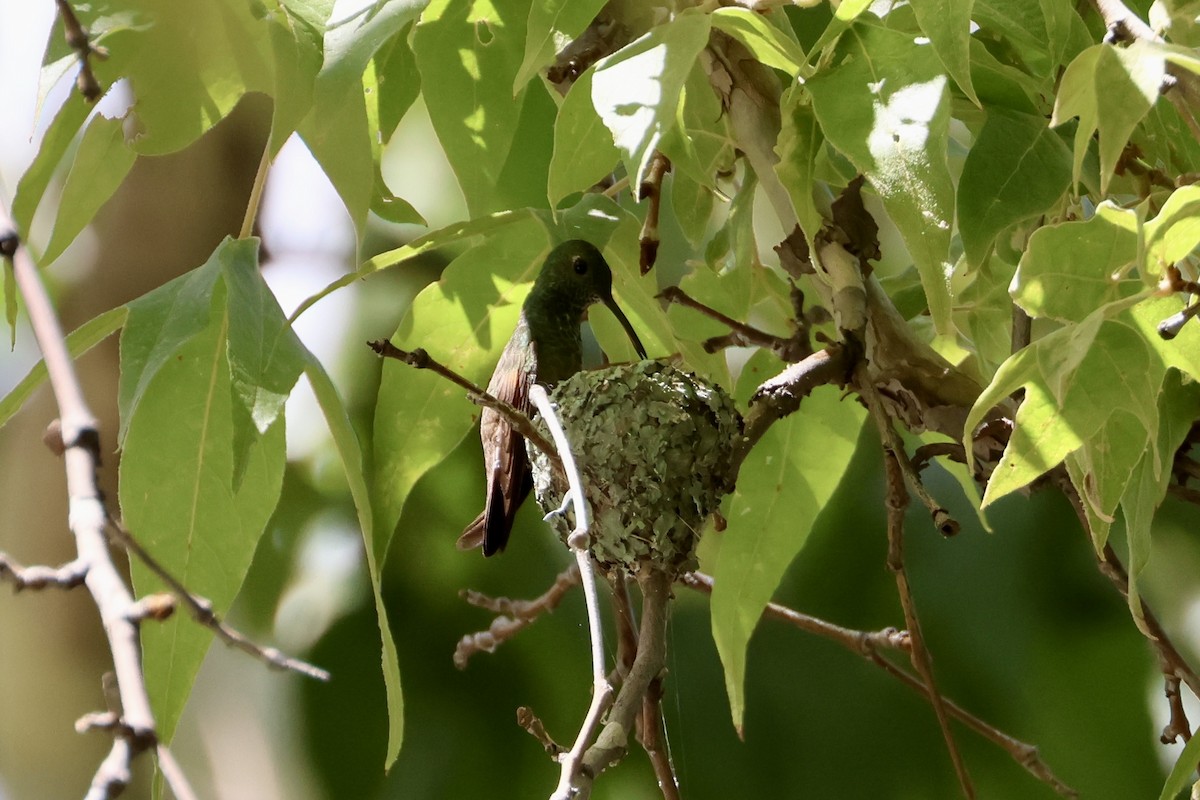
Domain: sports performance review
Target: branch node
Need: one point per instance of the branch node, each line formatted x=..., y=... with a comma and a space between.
x=157, y=607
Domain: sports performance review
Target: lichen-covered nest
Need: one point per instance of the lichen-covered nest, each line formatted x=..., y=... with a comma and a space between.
x=653, y=443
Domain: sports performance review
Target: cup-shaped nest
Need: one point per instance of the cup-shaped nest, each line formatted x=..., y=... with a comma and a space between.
x=654, y=446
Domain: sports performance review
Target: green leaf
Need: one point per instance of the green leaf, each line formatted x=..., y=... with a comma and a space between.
x=57, y=139
x=100, y=164
x=1090, y=397
x=765, y=42
x=80, y=341
x=1016, y=169
x=636, y=90
x=161, y=322
x=584, y=152
x=1148, y=482
x=1070, y=270
x=782, y=487
x=191, y=67
x=551, y=24
x=337, y=129
x=451, y=234
x=178, y=498
x=265, y=358
x=1175, y=232
x=1000, y=84
x=699, y=143
x=349, y=450
x=463, y=320
x=471, y=51
x=693, y=206
x=799, y=142
x=398, y=79
x=887, y=108
x=947, y=23
x=1110, y=89
x=296, y=30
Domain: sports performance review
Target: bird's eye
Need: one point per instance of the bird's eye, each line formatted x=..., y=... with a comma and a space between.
x=580, y=265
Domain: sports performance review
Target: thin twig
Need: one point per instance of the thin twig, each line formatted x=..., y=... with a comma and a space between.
x=420, y=359
x=514, y=616
x=896, y=502
x=202, y=611
x=652, y=736
x=650, y=190
x=173, y=774
x=68, y=576
x=535, y=728
x=789, y=349
x=1177, y=726
x=79, y=41
x=868, y=644
x=256, y=191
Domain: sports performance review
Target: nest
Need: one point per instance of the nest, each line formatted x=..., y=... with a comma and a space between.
x=654, y=445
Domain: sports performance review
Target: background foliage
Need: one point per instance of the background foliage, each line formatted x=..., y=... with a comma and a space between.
x=1015, y=163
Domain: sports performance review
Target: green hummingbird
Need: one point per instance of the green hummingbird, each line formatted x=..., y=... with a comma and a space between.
x=546, y=348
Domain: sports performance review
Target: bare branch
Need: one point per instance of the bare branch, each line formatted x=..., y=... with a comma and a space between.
x=868, y=644
x=514, y=616
x=894, y=461
x=202, y=611
x=650, y=190
x=68, y=576
x=79, y=40
x=419, y=359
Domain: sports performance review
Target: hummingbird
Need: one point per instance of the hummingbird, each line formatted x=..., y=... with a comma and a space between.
x=545, y=348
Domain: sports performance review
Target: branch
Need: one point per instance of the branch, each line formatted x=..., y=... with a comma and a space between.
x=68, y=576
x=202, y=611
x=651, y=191
x=790, y=349
x=77, y=37
x=420, y=359
x=781, y=395
x=514, y=616
x=578, y=541
x=869, y=644
x=86, y=518
x=895, y=460
x=648, y=665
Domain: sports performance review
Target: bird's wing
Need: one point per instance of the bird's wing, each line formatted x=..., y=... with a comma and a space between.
x=511, y=480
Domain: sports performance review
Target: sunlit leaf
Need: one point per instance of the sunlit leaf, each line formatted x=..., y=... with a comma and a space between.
x=947, y=23
x=584, y=152
x=768, y=44
x=887, y=109
x=1071, y=269
x=1110, y=89
x=636, y=90
x=471, y=51
x=336, y=129
x=551, y=24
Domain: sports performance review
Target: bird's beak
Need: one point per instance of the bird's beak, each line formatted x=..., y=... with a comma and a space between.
x=621, y=318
